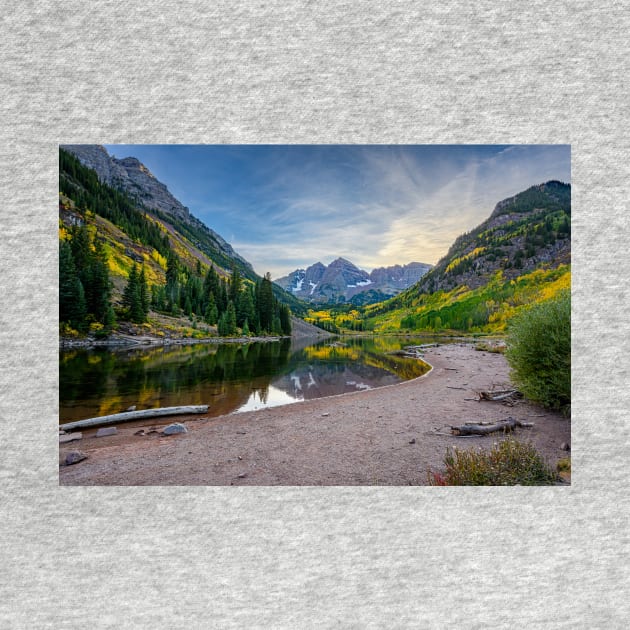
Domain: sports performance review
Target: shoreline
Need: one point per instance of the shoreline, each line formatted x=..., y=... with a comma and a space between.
x=390, y=435
x=148, y=342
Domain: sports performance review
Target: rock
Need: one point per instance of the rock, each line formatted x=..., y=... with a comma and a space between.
x=173, y=429
x=413, y=441
x=69, y=437
x=105, y=431
x=242, y=476
x=132, y=408
x=74, y=457
x=140, y=432
x=565, y=447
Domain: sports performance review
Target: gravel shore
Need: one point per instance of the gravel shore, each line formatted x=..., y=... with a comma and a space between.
x=387, y=436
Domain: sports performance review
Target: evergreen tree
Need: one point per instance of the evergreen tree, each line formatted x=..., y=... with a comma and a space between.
x=144, y=292
x=230, y=318
x=188, y=306
x=211, y=313
x=158, y=297
x=245, y=307
x=172, y=269
x=98, y=286
x=132, y=297
x=276, y=327
x=285, y=319
x=235, y=286
x=72, y=308
x=265, y=303
x=210, y=285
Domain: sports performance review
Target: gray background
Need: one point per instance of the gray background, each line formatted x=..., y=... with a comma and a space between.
x=326, y=72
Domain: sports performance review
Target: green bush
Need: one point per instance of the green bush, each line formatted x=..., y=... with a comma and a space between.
x=509, y=463
x=539, y=352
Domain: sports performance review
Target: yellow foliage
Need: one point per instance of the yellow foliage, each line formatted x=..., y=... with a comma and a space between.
x=473, y=254
x=159, y=259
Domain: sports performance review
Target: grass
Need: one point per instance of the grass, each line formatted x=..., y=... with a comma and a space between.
x=508, y=463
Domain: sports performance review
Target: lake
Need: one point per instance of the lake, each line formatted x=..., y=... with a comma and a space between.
x=228, y=377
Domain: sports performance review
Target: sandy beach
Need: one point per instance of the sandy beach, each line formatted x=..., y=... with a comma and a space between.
x=387, y=436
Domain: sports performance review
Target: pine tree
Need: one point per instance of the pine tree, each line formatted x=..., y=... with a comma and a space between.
x=132, y=297
x=211, y=313
x=230, y=319
x=144, y=293
x=245, y=307
x=285, y=319
x=235, y=286
x=98, y=289
x=265, y=303
x=72, y=308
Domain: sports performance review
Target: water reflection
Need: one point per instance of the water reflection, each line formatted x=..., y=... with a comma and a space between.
x=228, y=377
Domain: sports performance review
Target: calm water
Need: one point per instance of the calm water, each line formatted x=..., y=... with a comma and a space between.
x=228, y=377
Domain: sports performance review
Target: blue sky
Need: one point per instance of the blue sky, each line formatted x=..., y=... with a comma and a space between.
x=284, y=207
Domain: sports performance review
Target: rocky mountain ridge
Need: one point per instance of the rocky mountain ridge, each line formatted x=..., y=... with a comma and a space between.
x=342, y=281
x=136, y=180
x=525, y=232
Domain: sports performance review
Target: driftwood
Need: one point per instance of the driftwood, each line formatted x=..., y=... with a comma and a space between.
x=134, y=415
x=506, y=396
x=484, y=428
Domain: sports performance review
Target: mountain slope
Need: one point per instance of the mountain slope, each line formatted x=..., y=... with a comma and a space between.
x=523, y=232
x=121, y=261
x=134, y=178
x=519, y=255
x=342, y=282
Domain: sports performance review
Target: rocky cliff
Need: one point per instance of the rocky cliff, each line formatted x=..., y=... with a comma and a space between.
x=135, y=179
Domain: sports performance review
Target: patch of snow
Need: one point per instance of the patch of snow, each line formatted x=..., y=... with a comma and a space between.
x=298, y=286
x=364, y=283
x=313, y=285
x=358, y=385
x=297, y=386
x=311, y=380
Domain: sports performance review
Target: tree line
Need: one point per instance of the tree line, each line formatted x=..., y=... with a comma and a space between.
x=229, y=304
x=85, y=294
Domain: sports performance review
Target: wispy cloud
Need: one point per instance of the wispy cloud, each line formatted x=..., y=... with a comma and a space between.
x=291, y=206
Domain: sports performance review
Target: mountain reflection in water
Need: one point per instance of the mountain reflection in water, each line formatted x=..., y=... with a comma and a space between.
x=228, y=377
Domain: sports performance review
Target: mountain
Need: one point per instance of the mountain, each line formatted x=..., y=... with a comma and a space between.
x=137, y=181
x=520, y=255
x=523, y=233
x=342, y=281
x=131, y=253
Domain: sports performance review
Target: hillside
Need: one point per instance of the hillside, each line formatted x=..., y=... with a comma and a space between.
x=138, y=262
x=520, y=255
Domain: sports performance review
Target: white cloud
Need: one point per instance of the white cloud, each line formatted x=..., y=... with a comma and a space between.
x=404, y=208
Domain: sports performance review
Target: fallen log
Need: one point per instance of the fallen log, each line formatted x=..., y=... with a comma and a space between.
x=134, y=415
x=481, y=428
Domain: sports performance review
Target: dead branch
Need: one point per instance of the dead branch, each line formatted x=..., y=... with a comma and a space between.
x=484, y=428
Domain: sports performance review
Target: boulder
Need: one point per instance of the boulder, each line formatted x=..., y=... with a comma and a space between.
x=173, y=429
x=69, y=437
x=74, y=457
x=105, y=431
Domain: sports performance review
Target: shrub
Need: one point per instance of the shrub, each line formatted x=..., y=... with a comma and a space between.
x=539, y=352
x=496, y=348
x=509, y=463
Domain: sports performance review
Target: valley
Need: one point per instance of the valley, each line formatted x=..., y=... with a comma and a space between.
x=158, y=309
